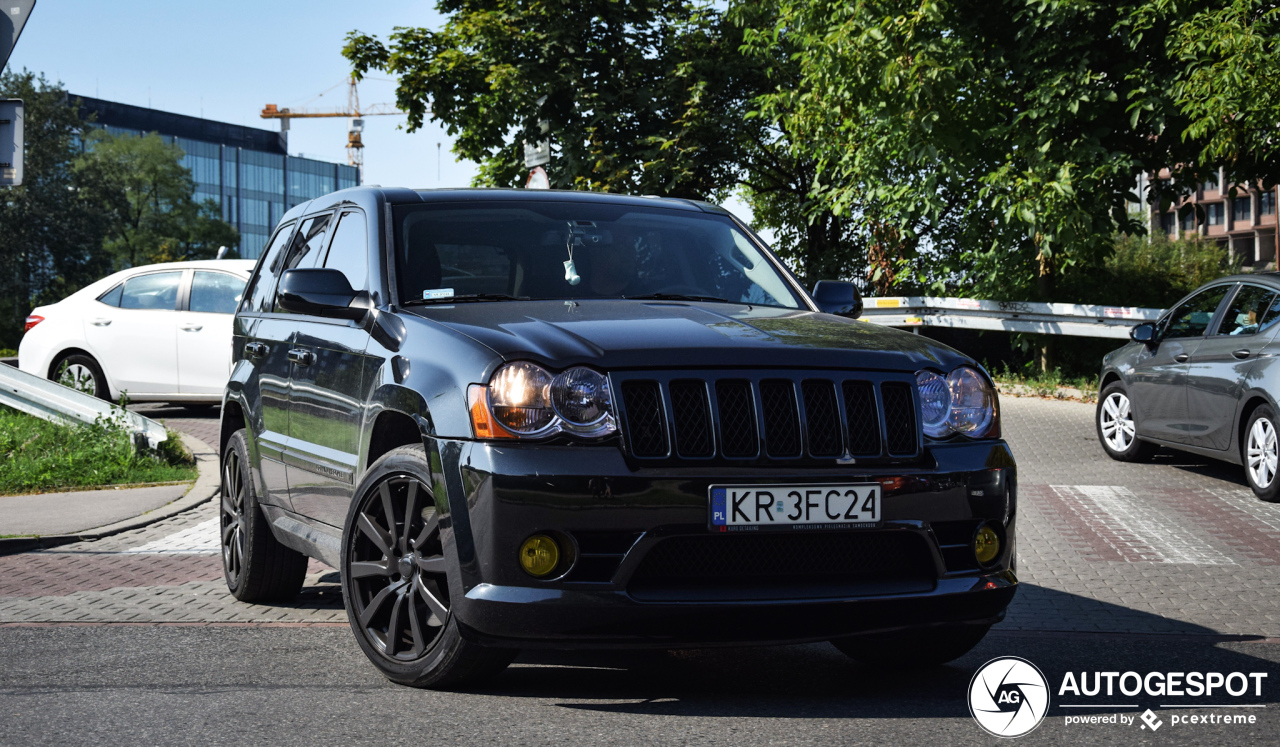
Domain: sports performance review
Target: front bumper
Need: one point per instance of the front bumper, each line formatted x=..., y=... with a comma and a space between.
x=498, y=495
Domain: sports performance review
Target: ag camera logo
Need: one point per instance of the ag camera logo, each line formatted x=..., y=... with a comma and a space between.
x=1008, y=697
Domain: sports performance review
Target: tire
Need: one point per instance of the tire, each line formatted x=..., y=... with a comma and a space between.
x=257, y=568
x=81, y=372
x=396, y=581
x=1260, y=454
x=922, y=647
x=1117, y=430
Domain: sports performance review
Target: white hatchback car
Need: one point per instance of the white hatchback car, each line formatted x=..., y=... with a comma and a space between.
x=158, y=333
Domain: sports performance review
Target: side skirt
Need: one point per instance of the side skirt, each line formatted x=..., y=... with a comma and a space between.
x=311, y=538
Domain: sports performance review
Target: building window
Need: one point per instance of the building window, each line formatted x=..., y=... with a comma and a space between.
x=1167, y=223
x=1188, y=220
x=1214, y=213
x=1267, y=203
x=1241, y=207
x=1210, y=184
x=255, y=213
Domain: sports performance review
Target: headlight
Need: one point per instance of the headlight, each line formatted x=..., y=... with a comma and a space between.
x=520, y=397
x=524, y=399
x=963, y=403
x=935, y=403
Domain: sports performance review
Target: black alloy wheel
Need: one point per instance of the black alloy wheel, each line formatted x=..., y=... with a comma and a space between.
x=231, y=526
x=395, y=580
x=256, y=566
x=396, y=570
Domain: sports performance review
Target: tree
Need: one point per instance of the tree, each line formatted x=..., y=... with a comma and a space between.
x=50, y=235
x=146, y=194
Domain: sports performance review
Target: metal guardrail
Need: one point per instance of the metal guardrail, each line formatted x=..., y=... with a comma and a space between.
x=1008, y=316
x=52, y=401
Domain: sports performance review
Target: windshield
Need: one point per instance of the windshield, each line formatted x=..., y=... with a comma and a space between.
x=574, y=250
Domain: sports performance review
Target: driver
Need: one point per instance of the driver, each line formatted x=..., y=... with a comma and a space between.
x=613, y=265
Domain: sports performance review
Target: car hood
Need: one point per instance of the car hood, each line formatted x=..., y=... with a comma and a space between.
x=622, y=334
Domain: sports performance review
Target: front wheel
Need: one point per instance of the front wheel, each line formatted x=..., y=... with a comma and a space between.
x=1262, y=454
x=395, y=581
x=1117, y=430
x=924, y=647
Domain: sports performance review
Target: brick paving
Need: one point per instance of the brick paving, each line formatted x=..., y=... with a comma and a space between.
x=1179, y=546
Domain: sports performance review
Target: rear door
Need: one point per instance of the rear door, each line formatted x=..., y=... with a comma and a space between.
x=326, y=399
x=1219, y=367
x=134, y=336
x=204, y=331
x=1158, y=383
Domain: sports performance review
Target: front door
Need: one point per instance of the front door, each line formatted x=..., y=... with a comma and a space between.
x=1157, y=385
x=204, y=332
x=326, y=403
x=1220, y=366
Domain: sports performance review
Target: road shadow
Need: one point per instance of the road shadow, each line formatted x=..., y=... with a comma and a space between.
x=1202, y=466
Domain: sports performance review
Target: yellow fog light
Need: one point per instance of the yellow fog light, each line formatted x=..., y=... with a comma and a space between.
x=539, y=555
x=986, y=545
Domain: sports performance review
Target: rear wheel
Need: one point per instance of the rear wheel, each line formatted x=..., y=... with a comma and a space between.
x=396, y=581
x=256, y=566
x=1117, y=429
x=924, y=647
x=1262, y=454
x=82, y=373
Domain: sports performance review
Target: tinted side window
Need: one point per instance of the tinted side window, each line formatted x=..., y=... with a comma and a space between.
x=215, y=292
x=1192, y=317
x=112, y=297
x=1247, y=311
x=157, y=290
x=349, y=250
x=264, y=282
x=304, y=250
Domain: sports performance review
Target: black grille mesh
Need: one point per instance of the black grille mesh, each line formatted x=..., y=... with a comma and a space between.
x=821, y=417
x=781, y=421
x=860, y=414
x=899, y=417
x=737, y=418
x=804, y=557
x=646, y=426
x=692, y=418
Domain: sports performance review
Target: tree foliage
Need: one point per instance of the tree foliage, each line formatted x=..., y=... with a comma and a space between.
x=146, y=194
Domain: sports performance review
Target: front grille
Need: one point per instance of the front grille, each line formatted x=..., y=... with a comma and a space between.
x=745, y=559
x=770, y=418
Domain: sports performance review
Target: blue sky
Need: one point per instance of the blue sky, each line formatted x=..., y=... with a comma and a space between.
x=226, y=60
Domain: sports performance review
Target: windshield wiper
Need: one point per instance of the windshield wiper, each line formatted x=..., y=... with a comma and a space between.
x=464, y=298
x=675, y=297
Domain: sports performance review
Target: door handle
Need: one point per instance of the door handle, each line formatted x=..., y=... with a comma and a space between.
x=99, y=322
x=191, y=327
x=301, y=356
x=255, y=349
x=1242, y=353
x=1181, y=357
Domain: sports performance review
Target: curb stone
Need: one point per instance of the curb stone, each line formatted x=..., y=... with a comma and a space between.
x=1062, y=393
x=204, y=489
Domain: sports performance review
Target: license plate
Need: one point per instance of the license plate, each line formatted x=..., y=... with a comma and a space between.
x=757, y=507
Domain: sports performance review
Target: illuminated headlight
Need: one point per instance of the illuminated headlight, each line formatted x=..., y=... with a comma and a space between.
x=527, y=400
x=962, y=402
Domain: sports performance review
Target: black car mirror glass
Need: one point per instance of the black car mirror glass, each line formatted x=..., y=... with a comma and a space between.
x=1144, y=333
x=320, y=292
x=838, y=297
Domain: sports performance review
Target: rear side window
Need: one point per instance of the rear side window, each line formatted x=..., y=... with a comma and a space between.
x=215, y=292
x=1248, y=311
x=157, y=290
x=264, y=282
x=112, y=297
x=349, y=250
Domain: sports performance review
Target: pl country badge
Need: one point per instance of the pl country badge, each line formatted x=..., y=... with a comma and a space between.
x=1008, y=697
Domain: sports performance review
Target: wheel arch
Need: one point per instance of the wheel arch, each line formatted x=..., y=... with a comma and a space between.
x=57, y=357
x=1248, y=403
x=1108, y=378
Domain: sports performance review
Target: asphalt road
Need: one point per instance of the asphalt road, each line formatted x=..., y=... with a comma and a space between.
x=133, y=640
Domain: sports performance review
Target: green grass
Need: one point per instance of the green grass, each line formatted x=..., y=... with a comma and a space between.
x=39, y=456
x=1045, y=384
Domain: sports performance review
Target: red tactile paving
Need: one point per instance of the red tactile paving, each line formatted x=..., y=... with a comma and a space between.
x=1240, y=531
x=42, y=574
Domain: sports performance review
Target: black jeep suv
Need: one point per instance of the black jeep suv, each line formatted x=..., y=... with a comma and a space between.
x=519, y=419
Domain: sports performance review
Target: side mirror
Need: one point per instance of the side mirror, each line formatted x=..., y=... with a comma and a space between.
x=321, y=292
x=1144, y=333
x=838, y=297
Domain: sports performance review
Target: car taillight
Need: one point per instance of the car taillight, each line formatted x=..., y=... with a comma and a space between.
x=32, y=321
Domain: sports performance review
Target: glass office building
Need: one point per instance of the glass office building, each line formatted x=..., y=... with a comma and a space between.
x=246, y=171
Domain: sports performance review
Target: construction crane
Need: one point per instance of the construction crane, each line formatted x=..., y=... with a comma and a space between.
x=353, y=112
